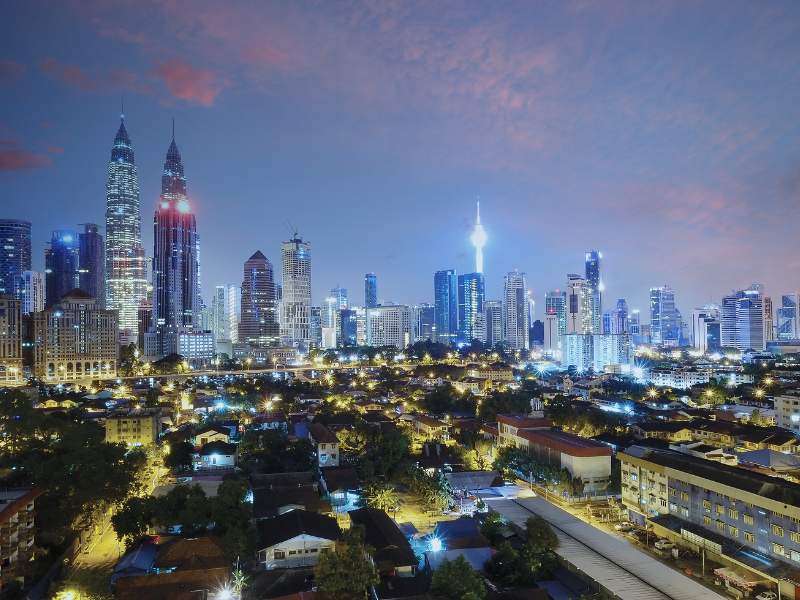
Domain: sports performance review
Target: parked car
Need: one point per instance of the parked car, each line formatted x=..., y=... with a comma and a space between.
x=624, y=526
x=767, y=596
x=664, y=545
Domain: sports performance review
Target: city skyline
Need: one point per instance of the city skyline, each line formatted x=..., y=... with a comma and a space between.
x=719, y=219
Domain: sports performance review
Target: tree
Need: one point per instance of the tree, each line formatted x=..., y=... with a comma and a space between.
x=503, y=567
x=382, y=496
x=179, y=458
x=539, y=536
x=346, y=573
x=134, y=519
x=492, y=527
x=456, y=580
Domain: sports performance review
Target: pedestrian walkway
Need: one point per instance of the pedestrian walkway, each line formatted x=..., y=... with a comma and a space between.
x=615, y=564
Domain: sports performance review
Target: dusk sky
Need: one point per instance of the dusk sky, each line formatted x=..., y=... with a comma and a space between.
x=664, y=134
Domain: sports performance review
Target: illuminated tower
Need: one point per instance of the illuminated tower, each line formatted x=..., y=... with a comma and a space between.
x=478, y=239
x=125, y=269
x=593, y=258
x=176, y=294
x=295, y=322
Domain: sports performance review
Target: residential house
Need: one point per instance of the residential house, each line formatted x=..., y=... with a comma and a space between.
x=295, y=539
x=214, y=455
x=17, y=510
x=392, y=553
x=326, y=443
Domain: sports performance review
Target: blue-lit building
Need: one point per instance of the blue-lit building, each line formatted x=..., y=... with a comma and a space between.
x=62, y=266
x=424, y=323
x=348, y=322
x=471, y=294
x=445, y=294
x=596, y=298
x=370, y=290
x=92, y=263
x=15, y=254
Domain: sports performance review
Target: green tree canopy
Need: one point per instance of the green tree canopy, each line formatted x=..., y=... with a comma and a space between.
x=456, y=580
x=346, y=573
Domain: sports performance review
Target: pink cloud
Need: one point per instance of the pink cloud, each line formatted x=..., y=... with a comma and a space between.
x=10, y=71
x=14, y=157
x=69, y=74
x=201, y=86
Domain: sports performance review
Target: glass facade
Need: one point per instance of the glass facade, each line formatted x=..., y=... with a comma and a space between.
x=471, y=294
x=370, y=290
x=445, y=294
x=62, y=262
x=15, y=254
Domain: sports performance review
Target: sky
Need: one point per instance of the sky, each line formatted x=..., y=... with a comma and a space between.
x=664, y=134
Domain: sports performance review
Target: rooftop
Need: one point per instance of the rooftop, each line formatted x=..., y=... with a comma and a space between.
x=567, y=443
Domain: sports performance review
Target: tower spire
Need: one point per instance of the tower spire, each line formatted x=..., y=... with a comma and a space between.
x=122, y=108
x=173, y=129
x=478, y=239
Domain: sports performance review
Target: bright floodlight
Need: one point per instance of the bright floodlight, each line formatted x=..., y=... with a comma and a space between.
x=436, y=544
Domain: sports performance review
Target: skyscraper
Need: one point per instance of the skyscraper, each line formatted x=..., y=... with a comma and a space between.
x=618, y=321
x=478, y=239
x=579, y=305
x=125, y=268
x=445, y=297
x=296, y=304
x=515, y=311
x=340, y=294
x=665, y=322
x=390, y=325
x=62, y=262
x=595, y=289
x=704, y=322
x=370, y=290
x=15, y=254
x=471, y=295
x=424, y=322
x=555, y=303
x=31, y=291
x=258, y=324
x=493, y=322
x=176, y=293
x=788, y=317
x=742, y=319
x=92, y=263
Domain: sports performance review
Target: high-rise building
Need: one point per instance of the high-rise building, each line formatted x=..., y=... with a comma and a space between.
x=551, y=336
x=389, y=325
x=144, y=320
x=329, y=320
x=62, y=264
x=370, y=290
x=788, y=317
x=478, y=239
x=578, y=351
x=704, y=322
x=10, y=341
x=493, y=322
x=348, y=321
x=445, y=295
x=125, y=264
x=31, y=291
x=314, y=327
x=769, y=320
x=555, y=303
x=424, y=322
x=611, y=349
x=176, y=286
x=618, y=318
x=15, y=254
x=515, y=311
x=635, y=328
x=471, y=294
x=91, y=252
x=340, y=294
x=296, y=305
x=224, y=322
x=578, y=305
x=75, y=340
x=593, y=258
x=665, y=322
x=742, y=320
x=258, y=324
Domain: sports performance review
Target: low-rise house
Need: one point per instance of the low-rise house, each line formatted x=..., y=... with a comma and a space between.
x=392, y=553
x=430, y=428
x=772, y=438
x=17, y=509
x=473, y=385
x=212, y=433
x=215, y=455
x=662, y=430
x=326, y=443
x=295, y=539
x=509, y=427
x=273, y=502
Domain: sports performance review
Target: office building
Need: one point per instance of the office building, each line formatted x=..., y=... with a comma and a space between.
x=704, y=321
x=769, y=320
x=536, y=337
x=15, y=254
x=665, y=322
x=551, y=337
x=493, y=322
x=144, y=320
x=618, y=318
x=788, y=317
x=314, y=328
x=75, y=340
x=11, y=372
x=196, y=346
x=296, y=304
x=62, y=263
x=390, y=325
x=515, y=311
x=424, y=322
x=348, y=325
x=445, y=294
x=370, y=290
x=91, y=260
x=592, y=265
x=31, y=291
x=742, y=320
x=578, y=305
x=125, y=263
x=258, y=323
x=471, y=293
x=176, y=284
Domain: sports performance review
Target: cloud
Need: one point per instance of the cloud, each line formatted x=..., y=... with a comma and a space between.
x=10, y=71
x=201, y=86
x=14, y=157
x=71, y=75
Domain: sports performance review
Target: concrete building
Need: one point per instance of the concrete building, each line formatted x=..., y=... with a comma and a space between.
x=295, y=539
x=11, y=372
x=295, y=319
x=389, y=325
x=258, y=324
x=703, y=322
x=326, y=445
x=684, y=378
x=74, y=340
x=197, y=347
x=17, y=514
x=578, y=351
x=665, y=320
x=135, y=427
x=516, y=317
x=611, y=349
x=787, y=410
x=424, y=322
x=31, y=291
x=493, y=322
x=742, y=320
